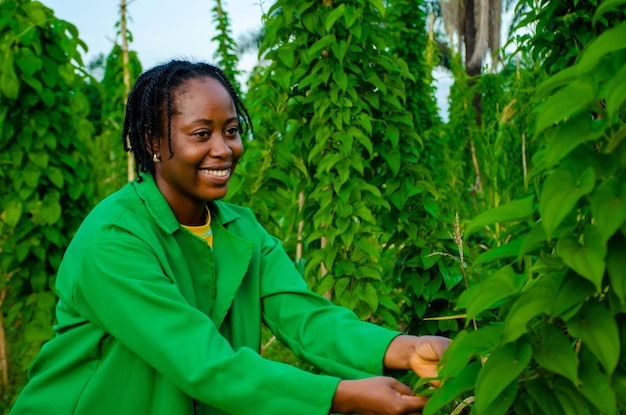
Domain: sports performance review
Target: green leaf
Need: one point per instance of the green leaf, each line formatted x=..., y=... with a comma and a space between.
x=555, y=353
x=616, y=266
x=322, y=43
x=12, y=213
x=75, y=189
x=50, y=210
x=9, y=82
x=609, y=41
x=515, y=210
x=606, y=6
x=596, y=327
x=574, y=290
x=608, y=206
x=329, y=22
x=339, y=50
x=393, y=134
x=541, y=391
x=586, y=258
x=569, y=396
x=452, y=388
x=28, y=62
x=468, y=345
x=566, y=102
x=561, y=191
x=340, y=286
x=39, y=159
x=371, y=297
x=618, y=382
x=563, y=77
x=511, y=249
x=36, y=13
x=31, y=175
x=616, y=92
x=21, y=251
x=325, y=284
x=532, y=239
x=53, y=235
x=450, y=278
x=503, y=402
x=500, y=370
x=595, y=384
x=55, y=176
x=569, y=134
x=394, y=159
x=490, y=292
x=538, y=299
x=379, y=5
x=286, y=56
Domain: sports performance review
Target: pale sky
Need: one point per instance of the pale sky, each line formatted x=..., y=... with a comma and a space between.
x=161, y=29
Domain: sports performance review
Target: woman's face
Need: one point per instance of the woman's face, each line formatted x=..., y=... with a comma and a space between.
x=206, y=145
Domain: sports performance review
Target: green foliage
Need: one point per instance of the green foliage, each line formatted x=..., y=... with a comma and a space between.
x=563, y=28
x=43, y=170
x=226, y=58
x=345, y=154
x=107, y=148
x=558, y=344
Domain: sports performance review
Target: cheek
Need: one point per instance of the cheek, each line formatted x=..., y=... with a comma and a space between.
x=237, y=149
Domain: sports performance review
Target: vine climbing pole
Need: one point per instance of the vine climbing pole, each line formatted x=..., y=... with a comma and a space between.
x=126, y=69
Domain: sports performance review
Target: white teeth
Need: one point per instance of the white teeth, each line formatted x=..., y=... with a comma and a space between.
x=218, y=173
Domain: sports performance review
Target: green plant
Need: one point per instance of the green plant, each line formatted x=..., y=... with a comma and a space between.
x=346, y=144
x=107, y=149
x=226, y=57
x=44, y=174
x=559, y=344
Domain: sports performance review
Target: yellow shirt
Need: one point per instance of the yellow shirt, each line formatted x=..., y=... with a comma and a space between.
x=203, y=231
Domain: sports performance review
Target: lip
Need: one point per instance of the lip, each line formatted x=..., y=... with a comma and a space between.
x=224, y=167
x=204, y=171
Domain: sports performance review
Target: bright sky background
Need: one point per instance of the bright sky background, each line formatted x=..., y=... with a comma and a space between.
x=167, y=29
x=161, y=29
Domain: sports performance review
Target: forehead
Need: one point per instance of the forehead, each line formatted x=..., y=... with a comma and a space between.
x=198, y=90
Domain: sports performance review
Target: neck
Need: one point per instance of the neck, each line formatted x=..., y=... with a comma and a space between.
x=192, y=217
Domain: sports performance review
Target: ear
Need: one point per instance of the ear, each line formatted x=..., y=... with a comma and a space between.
x=152, y=144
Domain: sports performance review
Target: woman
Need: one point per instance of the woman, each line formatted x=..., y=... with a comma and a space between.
x=163, y=289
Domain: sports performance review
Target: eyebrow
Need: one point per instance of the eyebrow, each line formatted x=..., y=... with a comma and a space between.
x=207, y=121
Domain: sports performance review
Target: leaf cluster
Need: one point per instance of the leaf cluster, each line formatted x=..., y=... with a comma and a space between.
x=44, y=168
x=557, y=344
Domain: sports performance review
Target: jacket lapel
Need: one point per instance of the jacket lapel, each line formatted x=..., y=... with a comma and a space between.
x=232, y=255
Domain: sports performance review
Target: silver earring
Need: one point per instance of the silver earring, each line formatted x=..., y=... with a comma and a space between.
x=155, y=158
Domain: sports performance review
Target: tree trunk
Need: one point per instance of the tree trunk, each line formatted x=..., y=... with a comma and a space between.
x=473, y=71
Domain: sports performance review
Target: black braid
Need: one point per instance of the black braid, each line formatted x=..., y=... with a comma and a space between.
x=151, y=99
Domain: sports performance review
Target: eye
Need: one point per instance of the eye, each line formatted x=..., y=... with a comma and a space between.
x=204, y=134
x=232, y=131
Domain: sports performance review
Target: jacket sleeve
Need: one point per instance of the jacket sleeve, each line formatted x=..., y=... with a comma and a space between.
x=131, y=299
x=330, y=337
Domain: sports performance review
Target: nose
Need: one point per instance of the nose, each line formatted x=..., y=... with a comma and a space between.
x=220, y=148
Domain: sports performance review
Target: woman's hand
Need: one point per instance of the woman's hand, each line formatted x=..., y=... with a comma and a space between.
x=418, y=353
x=376, y=396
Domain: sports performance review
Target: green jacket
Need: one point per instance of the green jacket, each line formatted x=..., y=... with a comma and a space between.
x=151, y=321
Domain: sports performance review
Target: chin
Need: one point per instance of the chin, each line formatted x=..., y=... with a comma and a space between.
x=215, y=196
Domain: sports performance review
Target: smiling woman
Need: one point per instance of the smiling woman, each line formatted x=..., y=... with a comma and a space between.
x=164, y=288
x=193, y=151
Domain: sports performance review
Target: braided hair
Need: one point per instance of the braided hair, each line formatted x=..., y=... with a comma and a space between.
x=151, y=99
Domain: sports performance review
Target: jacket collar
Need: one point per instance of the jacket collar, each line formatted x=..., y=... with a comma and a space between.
x=162, y=213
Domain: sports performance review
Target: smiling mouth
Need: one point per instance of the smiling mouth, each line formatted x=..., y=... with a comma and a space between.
x=217, y=173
